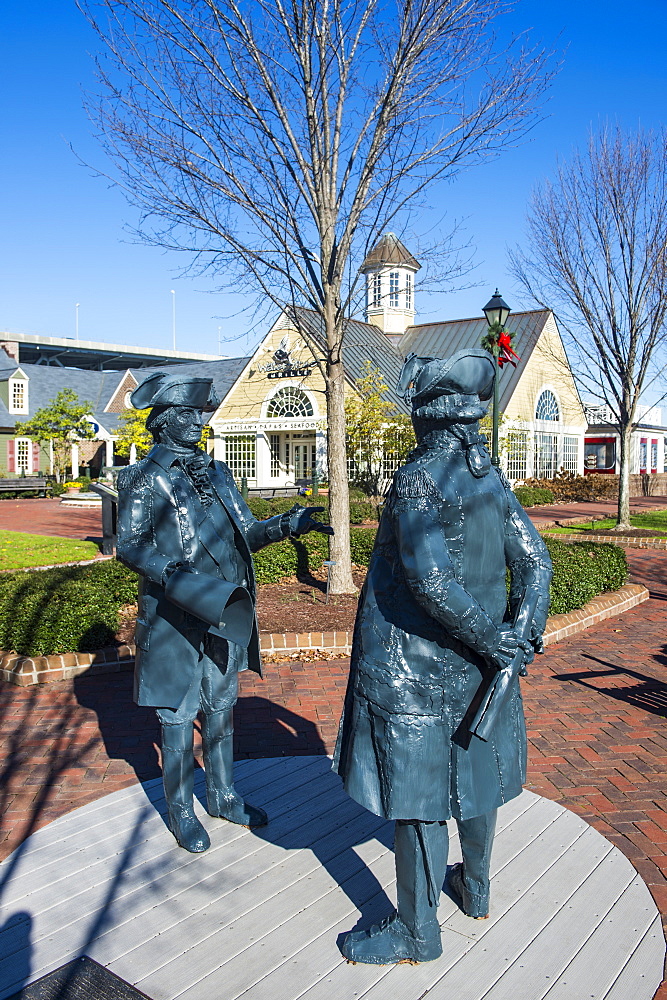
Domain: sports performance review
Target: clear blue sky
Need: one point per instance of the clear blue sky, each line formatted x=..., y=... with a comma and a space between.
x=63, y=235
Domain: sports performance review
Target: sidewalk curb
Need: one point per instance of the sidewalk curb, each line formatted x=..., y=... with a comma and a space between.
x=25, y=671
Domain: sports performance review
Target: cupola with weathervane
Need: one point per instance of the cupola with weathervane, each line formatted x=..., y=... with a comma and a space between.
x=390, y=286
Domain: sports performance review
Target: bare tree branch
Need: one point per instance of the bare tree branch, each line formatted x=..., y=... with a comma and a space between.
x=278, y=139
x=597, y=255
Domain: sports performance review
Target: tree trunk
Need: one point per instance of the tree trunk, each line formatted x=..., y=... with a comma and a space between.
x=623, y=513
x=340, y=579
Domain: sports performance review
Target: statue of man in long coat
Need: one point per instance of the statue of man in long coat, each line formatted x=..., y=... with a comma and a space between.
x=185, y=528
x=434, y=627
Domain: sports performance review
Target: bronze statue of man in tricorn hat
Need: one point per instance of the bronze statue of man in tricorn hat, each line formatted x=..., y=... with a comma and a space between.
x=185, y=528
x=421, y=740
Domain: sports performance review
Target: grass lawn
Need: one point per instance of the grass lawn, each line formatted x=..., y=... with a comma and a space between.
x=21, y=551
x=655, y=520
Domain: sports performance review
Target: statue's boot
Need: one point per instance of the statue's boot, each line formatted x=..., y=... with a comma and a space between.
x=222, y=798
x=412, y=932
x=469, y=881
x=178, y=777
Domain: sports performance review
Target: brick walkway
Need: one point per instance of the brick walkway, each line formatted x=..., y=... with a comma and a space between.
x=595, y=706
x=50, y=517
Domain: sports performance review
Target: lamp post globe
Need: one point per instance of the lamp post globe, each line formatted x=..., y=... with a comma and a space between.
x=496, y=310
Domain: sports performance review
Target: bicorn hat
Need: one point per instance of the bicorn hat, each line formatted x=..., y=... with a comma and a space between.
x=160, y=389
x=469, y=372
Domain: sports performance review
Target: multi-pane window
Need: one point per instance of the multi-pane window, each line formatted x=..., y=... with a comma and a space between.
x=408, y=291
x=376, y=297
x=393, y=289
x=290, y=402
x=570, y=453
x=274, y=445
x=516, y=455
x=22, y=455
x=547, y=406
x=240, y=455
x=18, y=395
x=546, y=454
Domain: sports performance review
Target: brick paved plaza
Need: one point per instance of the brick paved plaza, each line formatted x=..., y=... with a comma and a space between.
x=595, y=706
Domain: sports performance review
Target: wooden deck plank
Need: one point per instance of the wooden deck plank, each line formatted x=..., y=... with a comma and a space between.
x=92, y=852
x=562, y=937
x=510, y=937
x=258, y=915
x=307, y=919
x=182, y=872
x=134, y=926
x=600, y=960
x=641, y=964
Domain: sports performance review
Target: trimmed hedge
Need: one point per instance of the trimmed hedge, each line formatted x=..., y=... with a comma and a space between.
x=582, y=570
x=72, y=608
x=533, y=496
x=263, y=507
x=76, y=608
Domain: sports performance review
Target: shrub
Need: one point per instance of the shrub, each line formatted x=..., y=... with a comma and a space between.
x=76, y=607
x=569, y=488
x=263, y=507
x=533, y=496
x=582, y=570
x=63, y=610
x=297, y=557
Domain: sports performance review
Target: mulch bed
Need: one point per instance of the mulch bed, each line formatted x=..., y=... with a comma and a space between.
x=292, y=605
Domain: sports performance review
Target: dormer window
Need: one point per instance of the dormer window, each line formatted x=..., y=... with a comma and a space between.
x=18, y=395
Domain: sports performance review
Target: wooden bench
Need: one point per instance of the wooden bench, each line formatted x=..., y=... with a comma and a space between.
x=25, y=484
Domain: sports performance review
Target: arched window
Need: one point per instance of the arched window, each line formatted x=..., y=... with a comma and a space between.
x=290, y=402
x=547, y=406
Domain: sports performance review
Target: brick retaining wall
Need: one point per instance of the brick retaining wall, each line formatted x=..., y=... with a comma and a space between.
x=25, y=671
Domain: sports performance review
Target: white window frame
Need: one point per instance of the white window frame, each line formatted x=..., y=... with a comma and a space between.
x=376, y=290
x=14, y=384
x=394, y=282
x=19, y=445
x=516, y=454
x=408, y=291
x=241, y=455
x=571, y=453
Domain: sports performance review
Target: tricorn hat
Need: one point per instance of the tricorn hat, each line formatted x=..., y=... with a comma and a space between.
x=160, y=389
x=469, y=372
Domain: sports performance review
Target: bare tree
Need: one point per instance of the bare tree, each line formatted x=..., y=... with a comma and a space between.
x=277, y=139
x=597, y=255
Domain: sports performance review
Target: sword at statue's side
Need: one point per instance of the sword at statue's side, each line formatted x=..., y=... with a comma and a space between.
x=498, y=690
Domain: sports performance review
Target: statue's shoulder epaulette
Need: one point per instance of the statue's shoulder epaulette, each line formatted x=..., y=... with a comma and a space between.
x=415, y=481
x=133, y=476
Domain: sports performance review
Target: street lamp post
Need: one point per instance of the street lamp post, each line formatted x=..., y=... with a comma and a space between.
x=496, y=312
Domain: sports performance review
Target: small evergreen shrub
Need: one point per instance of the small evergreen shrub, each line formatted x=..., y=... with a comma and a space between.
x=533, y=496
x=582, y=570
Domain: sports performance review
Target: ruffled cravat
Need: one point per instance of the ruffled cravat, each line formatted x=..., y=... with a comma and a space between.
x=196, y=465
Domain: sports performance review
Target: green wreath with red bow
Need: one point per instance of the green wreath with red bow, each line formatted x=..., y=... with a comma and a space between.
x=498, y=341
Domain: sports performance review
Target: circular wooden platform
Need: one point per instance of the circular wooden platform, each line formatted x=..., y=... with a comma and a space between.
x=258, y=915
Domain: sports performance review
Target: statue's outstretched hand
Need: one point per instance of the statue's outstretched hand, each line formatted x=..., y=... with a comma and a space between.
x=301, y=521
x=509, y=642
